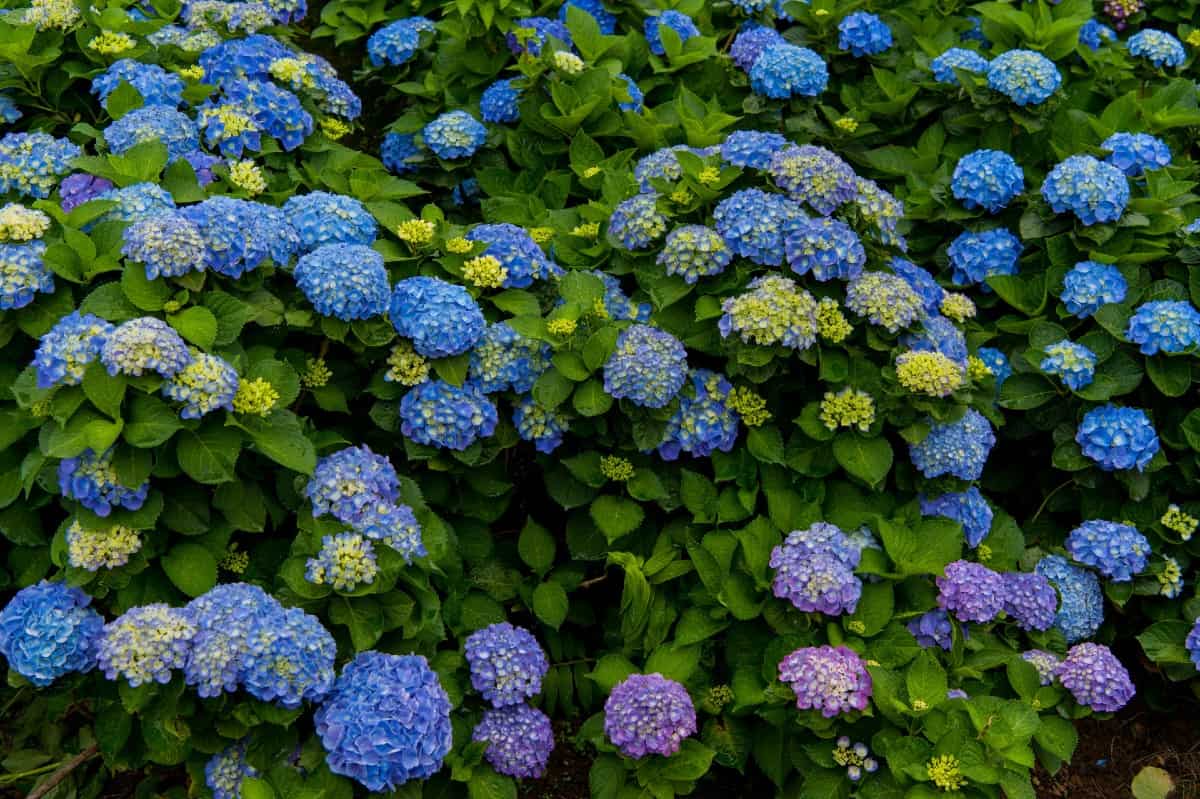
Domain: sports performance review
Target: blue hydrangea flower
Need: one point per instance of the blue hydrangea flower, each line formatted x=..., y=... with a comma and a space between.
x=505, y=360
x=957, y=58
x=968, y=508
x=636, y=223
x=1045, y=663
x=751, y=148
x=831, y=679
x=648, y=714
x=974, y=257
x=532, y=34
x=346, y=561
x=1024, y=76
x=1193, y=643
x=1087, y=187
x=785, y=70
x=541, y=425
x=636, y=100
x=346, y=281
x=1094, y=676
x=47, y=630
x=933, y=629
x=205, y=384
x=997, y=363
x=226, y=618
x=275, y=111
x=520, y=256
x=397, y=42
x=499, y=101
x=507, y=664
x=289, y=660
x=677, y=21
x=749, y=43
x=755, y=223
x=323, y=218
x=921, y=281
x=387, y=721
x=145, y=644
x=348, y=483
x=1134, y=153
x=693, y=252
x=647, y=367
x=774, y=311
x=519, y=738
x=238, y=59
x=1164, y=326
x=1072, y=362
x=23, y=273
x=224, y=772
x=604, y=18
x=438, y=414
x=971, y=591
x=1093, y=33
x=813, y=175
x=229, y=128
x=827, y=247
x=168, y=245
x=1158, y=47
x=454, y=134
x=239, y=235
x=1090, y=285
x=814, y=570
x=139, y=201
x=1118, y=551
x=394, y=526
x=885, y=300
x=704, y=422
x=863, y=34
x=91, y=479
x=751, y=7
x=32, y=163
x=939, y=334
x=9, y=112
x=144, y=344
x=956, y=448
x=882, y=211
x=1117, y=438
x=81, y=187
x=400, y=153
x=987, y=179
x=65, y=351
x=1030, y=600
x=440, y=318
x=1081, y=608
x=153, y=123
x=661, y=164
x=617, y=304
x=153, y=83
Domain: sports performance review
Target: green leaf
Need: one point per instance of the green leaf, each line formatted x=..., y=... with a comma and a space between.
x=487, y=784
x=208, y=455
x=926, y=681
x=362, y=616
x=766, y=444
x=615, y=516
x=1163, y=642
x=191, y=567
x=197, y=325
x=151, y=422
x=869, y=459
x=1025, y=392
x=924, y=550
x=536, y=547
x=1171, y=376
x=147, y=295
x=591, y=399
x=550, y=603
x=611, y=669
x=255, y=788
x=104, y=391
x=1057, y=736
x=281, y=438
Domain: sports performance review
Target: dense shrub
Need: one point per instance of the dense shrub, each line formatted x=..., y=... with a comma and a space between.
x=799, y=390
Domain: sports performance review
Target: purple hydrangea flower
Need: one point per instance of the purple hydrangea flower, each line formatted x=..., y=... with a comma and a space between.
x=831, y=679
x=1030, y=599
x=648, y=714
x=814, y=570
x=519, y=740
x=1095, y=678
x=971, y=591
x=933, y=629
x=507, y=663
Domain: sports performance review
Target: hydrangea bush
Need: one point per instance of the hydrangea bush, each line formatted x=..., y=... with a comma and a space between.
x=396, y=394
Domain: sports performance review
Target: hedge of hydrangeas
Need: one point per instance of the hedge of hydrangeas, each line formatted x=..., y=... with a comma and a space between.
x=794, y=389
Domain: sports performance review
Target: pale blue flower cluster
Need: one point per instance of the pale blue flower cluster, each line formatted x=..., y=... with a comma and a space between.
x=1072, y=362
x=636, y=223
x=47, y=630
x=826, y=247
x=541, y=425
x=754, y=224
x=520, y=256
x=225, y=618
x=397, y=42
x=1094, y=191
x=814, y=570
x=751, y=148
x=290, y=660
x=831, y=679
x=167, y=244
x=863, y=34
x=153, y=123
x=507, y=664
x=1117, y=438
x=957, y=58
x=32, y=163
x=239, y=235
x=987, y=179
x=693, y=252
x=345, y=281
x=1081, y=602
x=91, y=479
x=146, y=644
x=224, y=772
x=956, y=448
x=1134, y=153
x=439, y=414
x=152, y=82
x=968, y=508
x=320, y=218
x=64, y=352
x=974, y=257
x=647, y=367
x=1170, y=326
x=648, y=714
x=997, y=363
x=1024, y=76
x=454, y=135
x=704, y=422
x=785, y=70
x=346, y=561
x=204, y=385
x=1090, y=285
x=815, y=176
x=144, y=344
x=440, y=318
x=504, y=360
x=23, y=273
x=1118, y=551
x=1093, y=33
x=680, y=23
x=139, y=201
x=1158, y=47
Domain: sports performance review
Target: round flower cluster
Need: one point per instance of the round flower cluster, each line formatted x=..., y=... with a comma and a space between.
x=321, y=218
x=1044, y=662
x=350, y=483
x=987, y=179
x=144, y=344
x=440, y=318
x=519, y=740
x=1117, y=438
x=145, y=644
x=705, y=422
x=928, y=372
x=968, y=508
x=32, y=163
x=681, y=24
x=346, y=560
x=499, y=102
x=503, y=359
x=507, y=664
x=693, y=252
x=1030, y=600
x=974, y=257
x=156, y=85
x=921, y=282
x=205, y=384
x=831, y=679
x=864, y=34
x=1158, y=47
x=1095, y=678
x=750, y=41
x=1081, y=605
x=239, y=235
x=815, y=176
x=64, y=352
x=92, y=480
x=23, y=274
x=636, y=223
x=1134, y=153
x=18, y=223
x=848, y=408
x=521, y=258
x=398, y=42
x=647, y=367
x=754, y=224
x=1090, y=285
x=386, y=721
x=289, y=660
x=400, y=153
x=224, y=772
x=857, y=759
x=956, y=448
x=827, y=247
x=1087, y=187
x=814, y=570
x=944, y=66
x=439, y=414
x=1118, y=551
x=79, y=188
x=454, y=135
x=1072, y=362
x=47, y=630
x=153, y=123
x=1094, y=33
x=751, y=148
x=648, y=714
x=933, y=629
x=1024, y=76
x=1164, y=326
x=106, y=548
x=782, y=70
x=541, y=425
x=168, y=244
x=971, y=591
x=996, y=365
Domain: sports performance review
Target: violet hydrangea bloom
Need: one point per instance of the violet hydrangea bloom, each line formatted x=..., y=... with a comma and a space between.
x=1045, y=663
x=814, y=570
x=1095, y=678
x=933, y=629
x=519, y=740
x=1118, y=551
x=971, y=591
x=1193, y=643
x=831, y=679
x=1030, y=600
x=649, y=714
x=968, y=508
x=507, y=663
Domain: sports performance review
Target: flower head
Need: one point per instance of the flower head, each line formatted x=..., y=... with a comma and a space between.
x=1164, y=326
x=532, y=34
x=972, y=592
x=987, y=179
x=440, y=318
x=754, y=224
x=1081, y=606
x=648, y=366
x=813, y=175
x=1118, y=551
x=751, y=148
x=224, y=772
x=47, y=630
x=519, y=739
x=704, y=422
x=204, y=385
x=1158, y=47
x=32, y=163
x=1095, y=678
x=405, y=366
x=863, y=34
x=439, y=414
x=521, y=259
x=65, y=351
x=1134, y=153
x=400, y=153
x=257, y=397
x=957, y=58
x=499, y=102
x=105, y=548
x=681, y=24
x=603, y=17
x=1030, y=600
x=91, y=479
x=827, y=247
x=968, y=508
x=19, y=224
x=933, y=629
x=507, y=664
x=1117, y=438
x=454, y=135
x=23, y=273
x=848, y=408
x=814, y=570
x=945, y=773
x=975, y=257
x=145, y=644
x=541, y=425
x=957, y=448
x=784, y=70
x=885, y=299
x=289, y=660
x=749, y=43
x=929, y=372
x=693, y=252
x=1026, y=77
x=1072, y=362
x=648, y=714
x=636, y=223
x=831, y=679
x=1094, y=191
x=346, y=560
x=321, y=218
x=345, y=281
x=397, y=42
x=505, y=360
x=1090, y=285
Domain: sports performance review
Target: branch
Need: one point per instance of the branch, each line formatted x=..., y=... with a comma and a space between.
x=54, y=779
